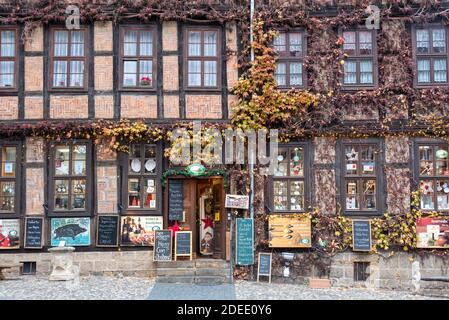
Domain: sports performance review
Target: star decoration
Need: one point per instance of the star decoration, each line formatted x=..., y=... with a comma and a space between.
x=174, y=229
x=208, y=222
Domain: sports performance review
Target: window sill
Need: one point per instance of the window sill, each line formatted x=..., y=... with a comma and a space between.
x=362, y=213
x=430, y=86
x=203, y=89
x=358, y=88
x=68, y=90
x=137, y=89
x=141, y=212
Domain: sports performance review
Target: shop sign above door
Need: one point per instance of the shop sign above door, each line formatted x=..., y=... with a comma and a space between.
x=196, y=169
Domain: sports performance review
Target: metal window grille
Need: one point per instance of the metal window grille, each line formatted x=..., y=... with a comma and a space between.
x=361, y=271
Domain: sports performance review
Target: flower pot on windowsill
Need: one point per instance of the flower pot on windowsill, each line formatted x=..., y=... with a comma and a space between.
x=145, y=81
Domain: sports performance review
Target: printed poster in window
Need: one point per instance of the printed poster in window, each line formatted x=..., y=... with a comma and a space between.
x=9, y=233
x=290, y=231
x=138, y=231
x=74, y=231
x=432, y=232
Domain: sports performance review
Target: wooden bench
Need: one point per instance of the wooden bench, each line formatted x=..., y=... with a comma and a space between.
x=6, y=267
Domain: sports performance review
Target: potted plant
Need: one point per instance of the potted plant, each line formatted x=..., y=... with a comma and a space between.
x=145, y=81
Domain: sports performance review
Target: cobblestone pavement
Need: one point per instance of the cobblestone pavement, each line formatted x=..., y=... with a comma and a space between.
x=87, y=288
x=168, y=291
x=128, y=288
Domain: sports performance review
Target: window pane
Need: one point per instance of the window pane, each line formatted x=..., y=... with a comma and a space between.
x=150, y=159
x=366, y=71
x=427, y=193
x=130, y=43
x=440, y=70
x=78, y=194
x=279, y=42
x=369, y=194
x=297, y=195
x=8, y=44
x=349, y=45
x=146, y=72
x=146, y=43
x=79, y=159
x=77, y=48
x=61, y=194
x=133, y=193
x=60, y=73
x=366, y=43
x=194, y=43
x=368, y=160
x=210, y=73
x=61, y=43
x=352, y=202
x=129, y=73
x=280, y=74
x=295, y=42
x=423, y=71
x=352, y=157
x=7, y=192
x=194, y=71
x=350, y=72
x=62, y=159
x=210, y=43
x=76, y=73
x=295, y=74
x=280, y=195
x=6, y=73
x=135, y=161
x=297, y=162
x=443, y=194
x=8, y=162
x=425, y=161
x=422, y=41
x=150, y=194
x=282, y=169
x=439, y=40
x=442, y=159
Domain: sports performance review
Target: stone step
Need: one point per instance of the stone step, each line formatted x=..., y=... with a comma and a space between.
x=175, y=272
x=175, y=279
x=175, y=264
x=211, y=280
x=212, y=271
x=211, y=263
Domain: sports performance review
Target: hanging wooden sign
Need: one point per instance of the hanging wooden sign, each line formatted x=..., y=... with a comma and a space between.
x=264, y=266
x=361, y=235
x=107, y=231
x=33, y=232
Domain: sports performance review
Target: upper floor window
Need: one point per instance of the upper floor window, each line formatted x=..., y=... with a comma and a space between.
x=361, y=177
x=434, y=175
x=289, y=180
x=291, y=48
x=431, y=55
x=203, y=58
x=70, y=177
x=143, y=176
x=8, y=63
x=68, y=59
x=137, y=57
x=8, y=178
x=360, y=64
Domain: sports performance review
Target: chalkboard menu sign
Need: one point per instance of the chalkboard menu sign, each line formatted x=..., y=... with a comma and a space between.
x=162, y=245
x=33, y=233
x=264, y=266
x=183, y=244
x=244, y=242
x=107, y=231
x=361, y=235
x=175, y=200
